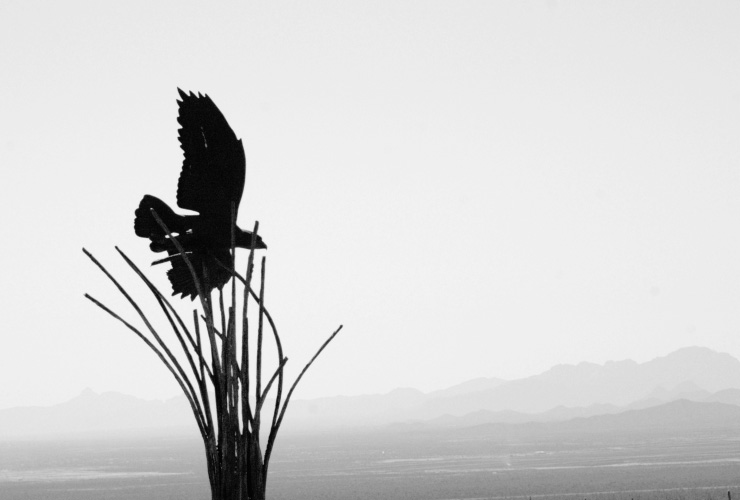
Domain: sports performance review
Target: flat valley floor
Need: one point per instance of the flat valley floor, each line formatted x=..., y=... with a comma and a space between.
x=401, y=463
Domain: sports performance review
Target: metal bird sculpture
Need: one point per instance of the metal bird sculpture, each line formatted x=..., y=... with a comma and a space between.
x=211, y=182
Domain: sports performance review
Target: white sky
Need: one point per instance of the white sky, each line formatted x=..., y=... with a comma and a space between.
x=471, y=188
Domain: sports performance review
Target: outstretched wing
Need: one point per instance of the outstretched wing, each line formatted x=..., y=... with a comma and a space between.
x=214, y=166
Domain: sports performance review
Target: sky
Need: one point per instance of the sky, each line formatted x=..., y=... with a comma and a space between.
x=472, y=188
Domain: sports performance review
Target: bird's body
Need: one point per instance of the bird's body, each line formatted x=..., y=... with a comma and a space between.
x=211, y=183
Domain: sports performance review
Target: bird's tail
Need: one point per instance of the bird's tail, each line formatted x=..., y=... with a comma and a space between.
x=212, y=272
x=146, y=226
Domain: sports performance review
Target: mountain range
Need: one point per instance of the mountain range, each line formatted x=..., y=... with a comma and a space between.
x=562, y=392
x=585, y=395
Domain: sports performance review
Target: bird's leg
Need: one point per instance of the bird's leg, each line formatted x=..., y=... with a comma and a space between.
x=169, y=258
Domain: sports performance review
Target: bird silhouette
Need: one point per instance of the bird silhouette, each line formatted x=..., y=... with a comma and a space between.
x=211, y=182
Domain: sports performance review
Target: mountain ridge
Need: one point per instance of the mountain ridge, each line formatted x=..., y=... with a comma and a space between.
x=564, y=392
x=616, y=383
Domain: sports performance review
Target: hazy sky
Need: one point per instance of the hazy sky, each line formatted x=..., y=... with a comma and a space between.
x=471, y=188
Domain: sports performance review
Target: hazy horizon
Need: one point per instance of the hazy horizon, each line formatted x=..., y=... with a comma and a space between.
x=643, y=430
x=681, y=351
x=473, y=189
x=177, y=392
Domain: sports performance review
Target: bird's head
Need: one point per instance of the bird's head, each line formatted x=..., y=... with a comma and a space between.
x=244, y=240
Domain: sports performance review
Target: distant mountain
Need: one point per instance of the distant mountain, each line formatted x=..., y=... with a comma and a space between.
x=685, y=390
x=615, y=383
x=682, y=414
x=375, y=409
x=91, y=414
x=471, y=386
x=674, y=418
x=728, y=396
x=563, y=393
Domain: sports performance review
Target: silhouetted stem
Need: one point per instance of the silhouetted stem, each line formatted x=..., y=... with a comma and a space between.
x=276, y=427
x=278, y=344
x=172, y=365
x=165, y=303
x=205, y=304
x=175, y=363
x=216, y=331
x=157, y=352
x=263, y=397
x=260, y=324
x=203, y=366
x=236, y=467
